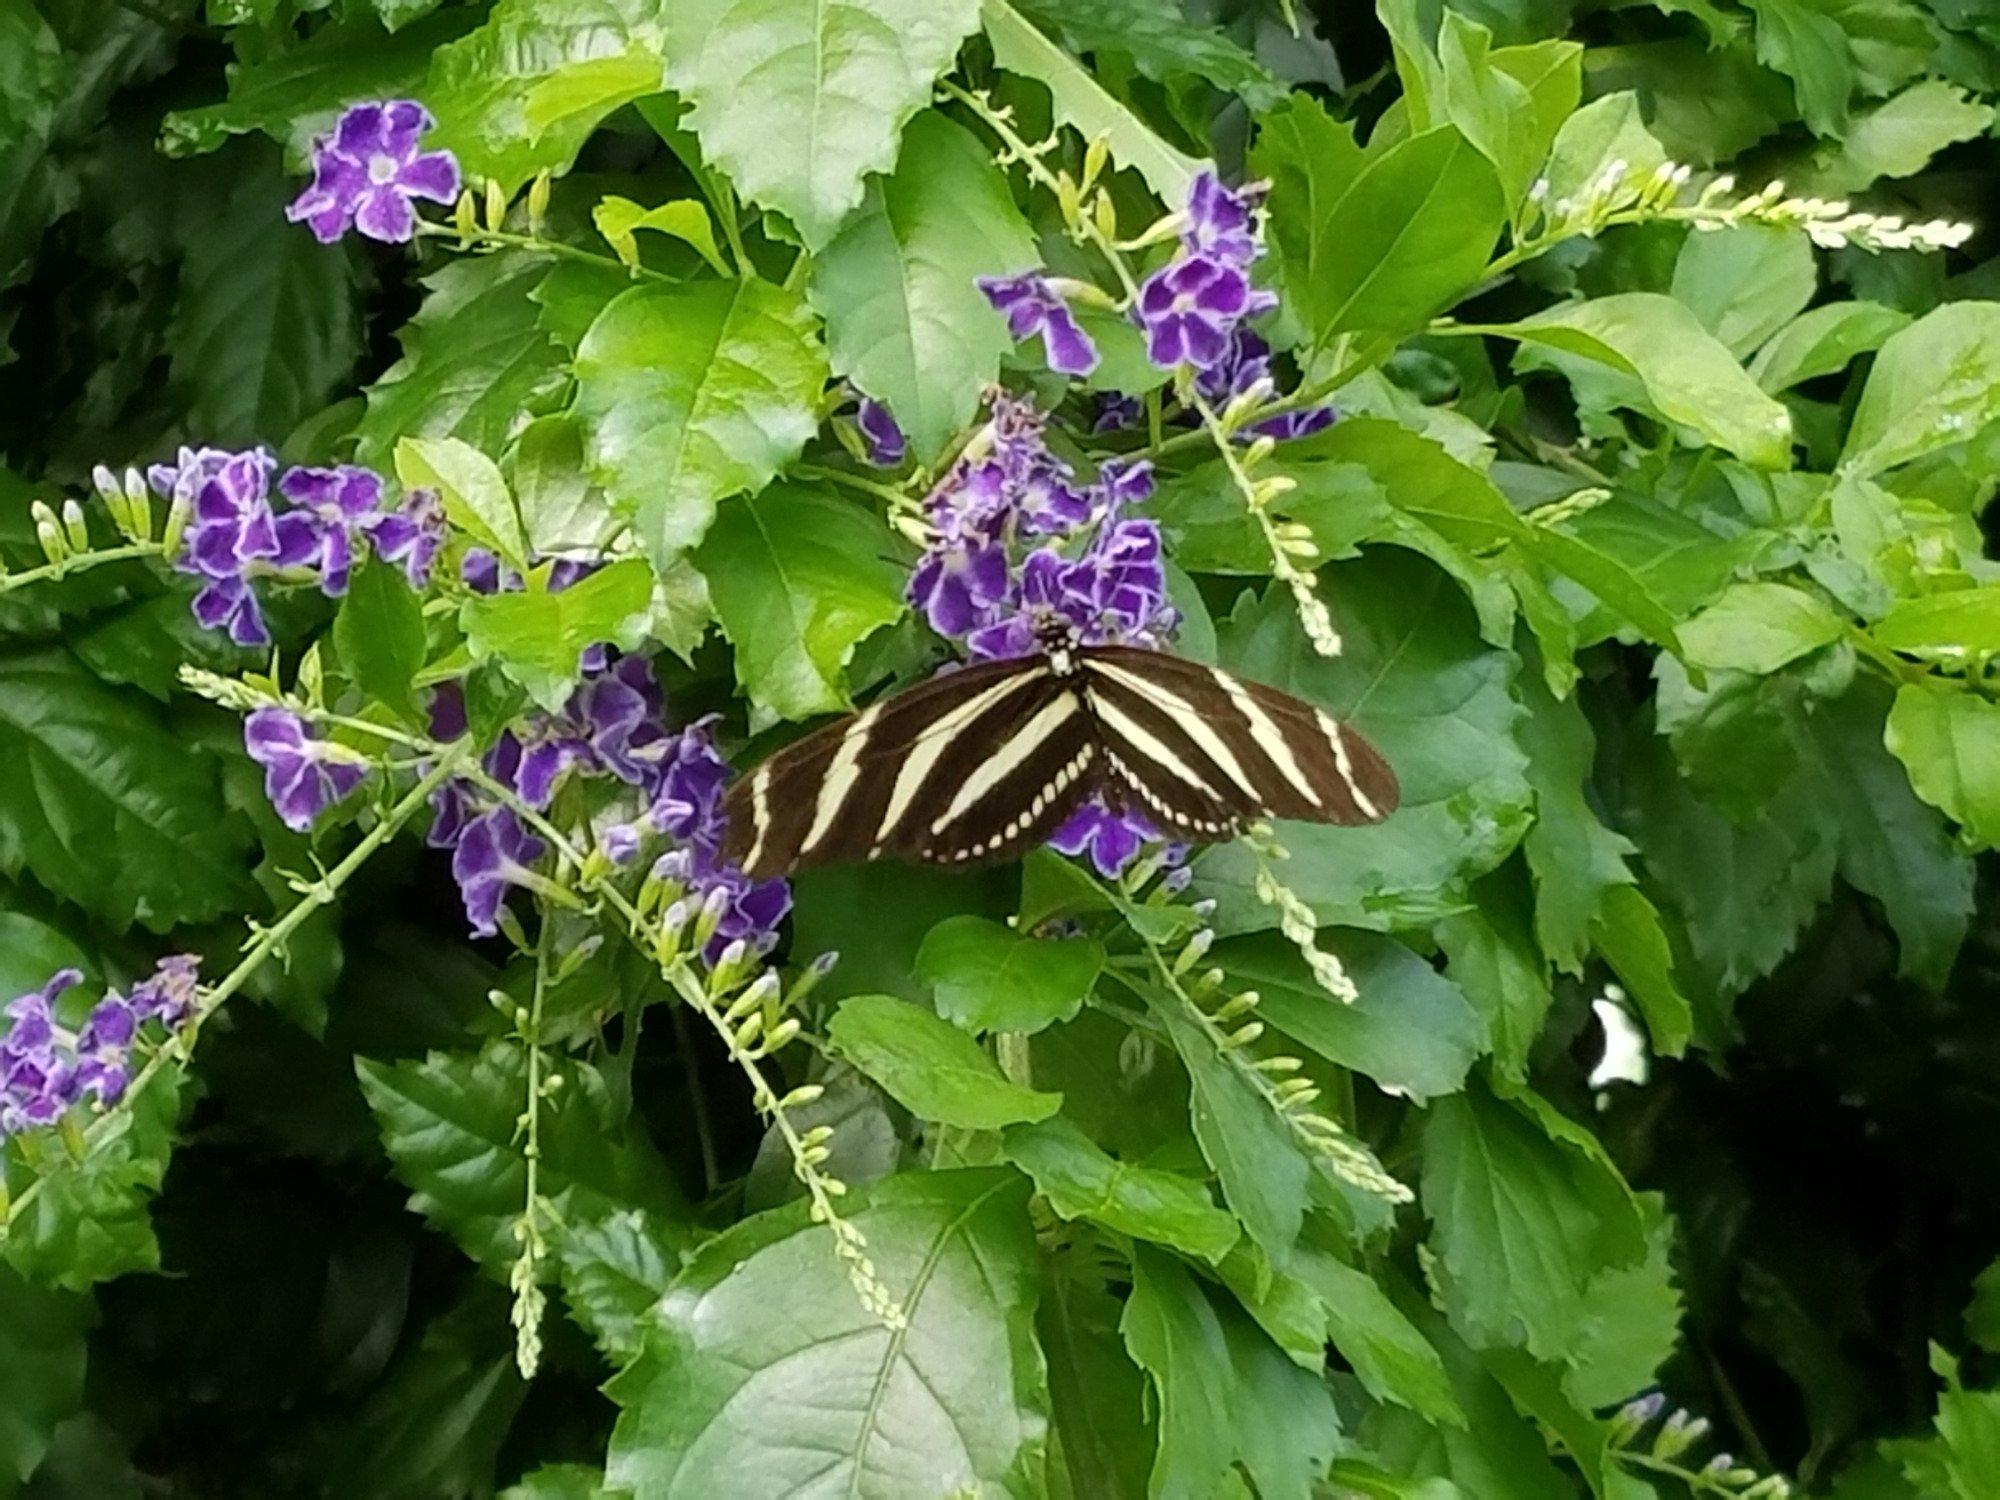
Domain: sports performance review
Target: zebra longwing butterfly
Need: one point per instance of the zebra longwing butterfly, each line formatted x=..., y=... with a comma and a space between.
x=979, y=765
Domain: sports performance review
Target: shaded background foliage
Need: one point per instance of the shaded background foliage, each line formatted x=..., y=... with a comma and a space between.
x=1719, y=825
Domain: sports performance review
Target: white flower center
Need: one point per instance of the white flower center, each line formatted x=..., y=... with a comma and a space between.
x=381, y=169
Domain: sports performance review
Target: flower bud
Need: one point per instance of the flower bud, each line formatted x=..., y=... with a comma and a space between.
x=48, y=532
x=496, y=204
x=75, y=527
x=538, y=200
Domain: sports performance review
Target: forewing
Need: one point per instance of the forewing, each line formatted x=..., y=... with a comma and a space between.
x=1255, y=751
x=883, y=781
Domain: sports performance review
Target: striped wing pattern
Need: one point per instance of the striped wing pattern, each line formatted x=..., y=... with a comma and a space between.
x=977, y=766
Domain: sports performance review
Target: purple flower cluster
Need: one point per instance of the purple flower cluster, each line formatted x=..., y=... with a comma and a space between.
x=45, y=1070
x=1017, y=543
x=235, y=534
x=613, y=725
x=368, y=168
x=1192, y=305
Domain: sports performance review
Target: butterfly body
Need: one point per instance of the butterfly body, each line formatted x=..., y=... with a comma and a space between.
x=978, y=765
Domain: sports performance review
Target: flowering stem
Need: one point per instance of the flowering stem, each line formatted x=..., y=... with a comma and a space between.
x=525, y=1276
x=77, y=563
x=478, y=235
x=269, y=940
x=867, y=486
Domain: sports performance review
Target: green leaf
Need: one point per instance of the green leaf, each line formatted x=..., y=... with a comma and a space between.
x=559, y=1482
x=475, y=496
x=42, y=1352
x=92, y=1220
x=1509, y=102
x=1079, y=100
x=380, y=633
x=1968, y=1427
x=798, y=103
x=1226, y=1394
x=1806, y=44
x=1310, y=159
x=539, y=637
x=1408, y=236
x=1678, y=369
x=1824, y=342
x=986, y=977
x=1746, y=282
x=1411, y=1029
x=1632, y=1321
x=1950, y=623
x=691, y=394
x=1414, y=678
x=1105, y=1434
x=1759, y=627
x=1948, y=737
x=294, y=94
x=764, y=1374
x=523, y=92
x=1082, y=1181
x=614, y=1271
x=1491, y=954
x=905, y=320
x=799, y=579
x=1606, y=130
x=476, y=361
x=448, y=1121
x=108, y=805
x=1934, y=384
x=619, y=220
x=1266, y=1177
x=1572, y=856
x=1523, y=1221
x=1393, y=1360
x=1163, y=42
x=1627, y=932
x=266, y=323
x=1898, y=137
x=930, y=1067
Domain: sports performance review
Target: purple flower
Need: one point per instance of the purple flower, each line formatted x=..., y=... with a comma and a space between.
x=368, y=168
x=620, y=843
x=886, y=444
x=1293, y=424
x=688, y=805
x=33, y=1033
x=1121, y=482
x=1115, y=411
x=1124, y=576
x=688, y=808
x=484, y=573
x=303, y=776
x=231, y=532
x=331, y=505
x=619, y=711
x=1246, y=361
x=44, y=1070
x=1050, y=587
x=1032, y=305
x=1112, y=838
x=1221, y=224
x=411, y=534
x=1189, y=308
x=493, y=853
x=168, y=995
x=957, y=583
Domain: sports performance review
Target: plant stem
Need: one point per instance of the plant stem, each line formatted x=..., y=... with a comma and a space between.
x=79, y=563
x=269, y=940
x=499, y=238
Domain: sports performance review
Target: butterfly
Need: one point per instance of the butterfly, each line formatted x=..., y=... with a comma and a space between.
x=978, y=765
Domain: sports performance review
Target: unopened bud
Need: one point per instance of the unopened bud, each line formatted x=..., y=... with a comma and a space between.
x=538, y=200
x=48, y=532
x=496, y=204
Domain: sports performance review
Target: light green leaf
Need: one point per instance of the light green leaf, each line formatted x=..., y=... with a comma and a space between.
x=1898, y=137
x=1678, y=368
x=1510, y=101
x=764, y=1375
x=619, y=220
x=1310, y=159
x=108, y=803
x=1934, y=384
x=1082, y=1181
x=1080, y=100
x=1414, y=678
x=448, y=1121
x=1266, y=1178
x=986, y=977
x=1408, y=236
x=1824, y=342
x=1523, y=1221
x=1952, y=623
x=1411, y=1029
x=1746, y=282
x=475, y=496
x=798, y=103
x=380, y=633
x=476, y=361
x=1759, y=627
x=523, y=92
x=1226, y=1394
x=614, y=1272
x=1163, y=42
x=1606, y=130
x=42, y=1354
x=905, y=320
x=1948, y=737
x=692, y=394
x=930, y=1067
x=798, y=579
x=539, y=637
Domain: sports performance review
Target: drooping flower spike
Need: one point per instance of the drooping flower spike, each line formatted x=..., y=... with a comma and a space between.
x=45, y=1070
x=369, y=168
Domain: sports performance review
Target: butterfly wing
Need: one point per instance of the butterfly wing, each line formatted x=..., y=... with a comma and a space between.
x=1206, y=752
x=971, y=767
